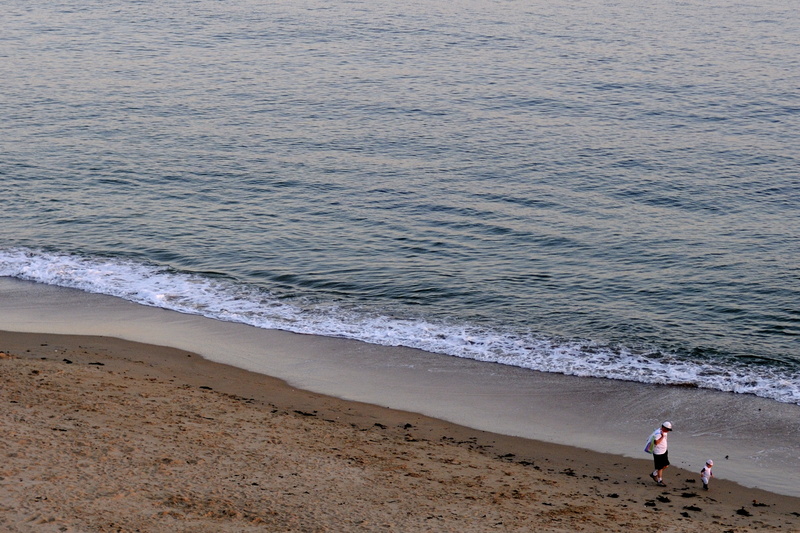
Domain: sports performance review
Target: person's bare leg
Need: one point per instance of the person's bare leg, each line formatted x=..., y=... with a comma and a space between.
x=660, y=474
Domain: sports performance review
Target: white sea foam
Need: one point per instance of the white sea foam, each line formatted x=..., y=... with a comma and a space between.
x=222, y=299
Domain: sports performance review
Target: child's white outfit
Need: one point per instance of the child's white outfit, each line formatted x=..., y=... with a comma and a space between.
x=705, y=473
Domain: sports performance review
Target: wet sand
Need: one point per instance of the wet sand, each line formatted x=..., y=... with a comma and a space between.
x=101, y=434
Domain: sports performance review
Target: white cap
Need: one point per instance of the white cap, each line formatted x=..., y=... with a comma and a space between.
x=667, y=425
x=710, y=462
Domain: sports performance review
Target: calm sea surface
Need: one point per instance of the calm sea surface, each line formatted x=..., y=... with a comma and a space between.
x=603, y=189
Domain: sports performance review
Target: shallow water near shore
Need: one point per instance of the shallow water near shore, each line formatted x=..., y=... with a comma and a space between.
x=760, y=437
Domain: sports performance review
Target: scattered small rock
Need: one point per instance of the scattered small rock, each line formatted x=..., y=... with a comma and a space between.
x=743, y=512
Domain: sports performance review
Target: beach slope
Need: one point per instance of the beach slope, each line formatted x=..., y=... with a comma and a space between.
x=100, y=434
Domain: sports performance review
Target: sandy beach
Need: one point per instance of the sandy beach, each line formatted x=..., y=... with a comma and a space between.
x=100, y=434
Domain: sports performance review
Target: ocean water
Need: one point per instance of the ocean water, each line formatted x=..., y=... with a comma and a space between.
x=605, y=189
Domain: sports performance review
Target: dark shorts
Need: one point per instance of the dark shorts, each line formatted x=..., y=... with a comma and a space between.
x=661, y=461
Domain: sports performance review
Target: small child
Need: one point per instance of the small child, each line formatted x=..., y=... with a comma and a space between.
x=705, y=474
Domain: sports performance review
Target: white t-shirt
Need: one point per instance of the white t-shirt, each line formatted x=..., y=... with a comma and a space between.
x=661, y=447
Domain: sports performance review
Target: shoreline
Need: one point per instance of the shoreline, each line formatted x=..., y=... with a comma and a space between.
x=761, y=437
x=586, y=487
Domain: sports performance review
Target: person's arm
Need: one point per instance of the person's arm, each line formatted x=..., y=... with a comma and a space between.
x=660, y=437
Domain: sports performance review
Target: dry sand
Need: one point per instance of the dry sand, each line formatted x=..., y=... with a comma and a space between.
x=100, y=434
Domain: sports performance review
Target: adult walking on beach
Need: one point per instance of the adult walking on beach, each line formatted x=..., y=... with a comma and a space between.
x=660, y=456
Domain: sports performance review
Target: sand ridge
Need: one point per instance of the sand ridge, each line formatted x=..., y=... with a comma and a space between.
x=106, y=435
